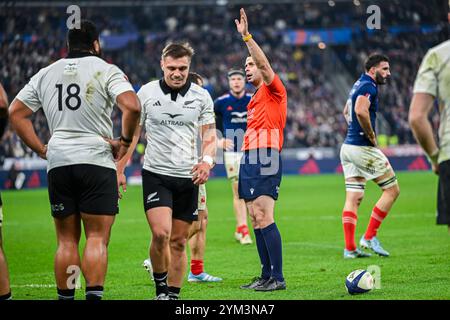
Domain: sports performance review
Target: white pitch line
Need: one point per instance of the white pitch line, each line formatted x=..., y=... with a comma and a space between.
x=33, y=285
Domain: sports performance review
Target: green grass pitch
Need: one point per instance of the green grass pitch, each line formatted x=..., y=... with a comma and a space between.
x=308, y=215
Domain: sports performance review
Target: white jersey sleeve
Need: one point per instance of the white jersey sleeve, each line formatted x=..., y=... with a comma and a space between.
x=426, y=81
x=433, y=78
x=117, y=82
x=29, y=94
x=207, y=115
x=142, y=98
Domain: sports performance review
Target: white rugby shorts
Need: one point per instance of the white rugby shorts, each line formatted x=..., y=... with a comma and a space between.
x=363, y=161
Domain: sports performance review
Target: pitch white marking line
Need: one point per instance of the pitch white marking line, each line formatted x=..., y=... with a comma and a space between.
x=33, y=285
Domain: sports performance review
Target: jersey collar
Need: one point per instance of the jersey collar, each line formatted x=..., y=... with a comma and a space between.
x=79, y=54
x=367, y=77
x=174, y=92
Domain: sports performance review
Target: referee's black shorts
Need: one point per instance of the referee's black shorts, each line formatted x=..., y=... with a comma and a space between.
x=443, y=206
x=179, y=194
x=83, y=188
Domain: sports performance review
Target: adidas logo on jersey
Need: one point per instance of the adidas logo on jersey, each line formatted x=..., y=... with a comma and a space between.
x=252, y=190
x=157, y=103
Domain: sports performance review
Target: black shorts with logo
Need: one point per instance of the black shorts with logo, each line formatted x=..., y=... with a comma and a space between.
x=443, y=205
x=179, y=194
x=83, y=188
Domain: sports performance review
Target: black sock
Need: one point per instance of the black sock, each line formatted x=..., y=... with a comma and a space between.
x=94, y=293
x=6, y=296
x=66, y=294
x=174, y=293
x=160, y=283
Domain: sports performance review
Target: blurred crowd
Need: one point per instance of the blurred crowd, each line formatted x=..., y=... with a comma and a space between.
x=32, y=38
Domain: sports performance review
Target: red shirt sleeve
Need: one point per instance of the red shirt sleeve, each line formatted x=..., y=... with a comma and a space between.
x=276, y=88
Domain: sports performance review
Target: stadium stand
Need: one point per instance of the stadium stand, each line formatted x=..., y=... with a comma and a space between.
x=132, y=38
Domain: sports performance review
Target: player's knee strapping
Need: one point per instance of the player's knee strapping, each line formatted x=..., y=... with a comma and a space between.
x=388, y=183
x=355, y=186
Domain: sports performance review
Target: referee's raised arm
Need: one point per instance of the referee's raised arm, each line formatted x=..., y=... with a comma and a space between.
x=259, y=58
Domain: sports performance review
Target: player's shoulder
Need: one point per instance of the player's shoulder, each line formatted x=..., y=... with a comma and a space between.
x=276, y=84
x=48, y=69
x=151, y=88
x=366, y=84
x=442, y=48
x=199, y=91
x=223, y=97
x=90, y=59
x=196, y=89
x=437, y=55
x=93, y=64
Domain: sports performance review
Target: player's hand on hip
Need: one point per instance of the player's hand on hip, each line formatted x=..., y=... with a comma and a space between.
x=200, y=173
x=121, y=182
x=435, y=168
x=115, y=146
x=118, y=149
x=374, y=142
x=242, y=23
x=43, y=153
x=121, y=153
x=373, y=139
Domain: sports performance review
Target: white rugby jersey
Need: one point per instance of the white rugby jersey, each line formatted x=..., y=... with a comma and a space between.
x=172, y=121
x=77, y=95
x=433, y=77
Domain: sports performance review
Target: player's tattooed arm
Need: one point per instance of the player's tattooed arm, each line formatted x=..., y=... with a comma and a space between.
x=128, y=102
x=209, y=140
x=260, y=59
x=122, y=163
x=362, y=113
x=209, y=147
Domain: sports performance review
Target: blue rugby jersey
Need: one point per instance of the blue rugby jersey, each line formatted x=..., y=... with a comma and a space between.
x=231, y=114
x=365, y=86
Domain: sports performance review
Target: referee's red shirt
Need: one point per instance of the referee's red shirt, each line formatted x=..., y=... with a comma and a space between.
x=266, y=117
